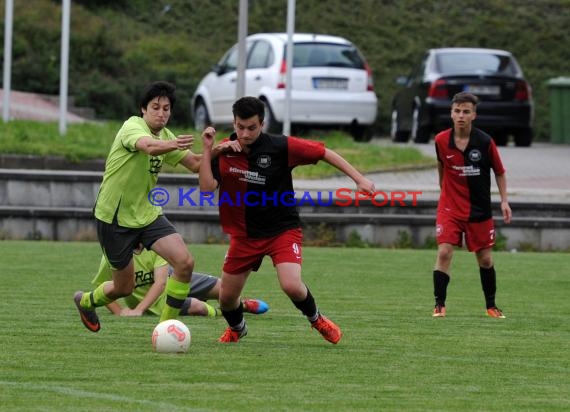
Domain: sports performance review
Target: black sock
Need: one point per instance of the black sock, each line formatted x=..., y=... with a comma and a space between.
x=235, y=317
x=308, y=306
x=440, y=282
x=489, y=285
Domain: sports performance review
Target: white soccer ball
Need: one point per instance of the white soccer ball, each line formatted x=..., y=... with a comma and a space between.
x=171, y=336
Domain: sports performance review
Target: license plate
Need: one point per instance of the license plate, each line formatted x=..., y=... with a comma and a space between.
x=330, y=83
x=483, y=90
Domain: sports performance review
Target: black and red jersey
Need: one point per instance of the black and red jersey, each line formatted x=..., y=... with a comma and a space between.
x=466, y=185
x=256, y=197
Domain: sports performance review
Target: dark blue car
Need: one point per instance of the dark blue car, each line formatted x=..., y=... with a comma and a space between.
x=421, y=107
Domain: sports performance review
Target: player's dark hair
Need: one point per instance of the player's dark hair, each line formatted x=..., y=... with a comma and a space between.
x=158, y=89
x=464, y=97
x=247, y=107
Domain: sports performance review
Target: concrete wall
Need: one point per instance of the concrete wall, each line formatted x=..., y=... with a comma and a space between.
x=57, y=205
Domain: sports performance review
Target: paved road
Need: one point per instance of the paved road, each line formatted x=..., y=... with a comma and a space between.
x=540, y=173
x=24, y=105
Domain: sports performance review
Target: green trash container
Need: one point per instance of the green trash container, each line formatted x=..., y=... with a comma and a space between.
x=559, y=109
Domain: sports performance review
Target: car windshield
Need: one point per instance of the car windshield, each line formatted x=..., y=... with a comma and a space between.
x=326, y=54
x=449, y=63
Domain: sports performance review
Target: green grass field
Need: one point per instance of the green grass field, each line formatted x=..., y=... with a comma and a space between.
x=393, y=357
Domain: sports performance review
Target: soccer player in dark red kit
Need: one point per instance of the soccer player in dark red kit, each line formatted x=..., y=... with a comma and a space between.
x=465, y=157
x=257, y=210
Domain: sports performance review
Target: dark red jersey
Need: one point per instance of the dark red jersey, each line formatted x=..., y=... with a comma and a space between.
x=466, y=185
x=256, y=197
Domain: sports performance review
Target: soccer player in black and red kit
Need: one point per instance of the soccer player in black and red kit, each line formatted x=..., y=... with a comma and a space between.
x=257, y=210
x=465, y=157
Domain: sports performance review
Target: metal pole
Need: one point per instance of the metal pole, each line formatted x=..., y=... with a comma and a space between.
x=288, y=76
x=63, y=79
x=7, y=86
x=242, y=34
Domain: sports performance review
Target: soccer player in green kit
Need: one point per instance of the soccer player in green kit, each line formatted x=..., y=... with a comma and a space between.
x=125, y=215
x=151, y=274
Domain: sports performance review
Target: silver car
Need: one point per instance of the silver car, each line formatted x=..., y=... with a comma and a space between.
x=332, y=84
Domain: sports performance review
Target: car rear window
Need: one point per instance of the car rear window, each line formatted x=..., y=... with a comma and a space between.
x=449, y=63
x=326, y=55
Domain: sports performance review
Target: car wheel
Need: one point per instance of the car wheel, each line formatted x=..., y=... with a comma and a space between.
x=523, y=137
x=201, y=116
x=501, y=138
x=360, y=133
x=420, y=134
x=270, y=125
x=396, y=134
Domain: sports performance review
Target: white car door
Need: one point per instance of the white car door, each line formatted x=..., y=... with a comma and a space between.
x=222, y=88
x=258, y=73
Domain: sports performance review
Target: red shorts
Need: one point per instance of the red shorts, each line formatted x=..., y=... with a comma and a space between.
x=478, y=235
x=247, y=254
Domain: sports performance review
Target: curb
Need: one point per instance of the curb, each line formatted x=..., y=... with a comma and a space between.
x=12, y=161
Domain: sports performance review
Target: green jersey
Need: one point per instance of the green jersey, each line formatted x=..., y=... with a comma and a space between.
x=145, y=264
x=130, y=175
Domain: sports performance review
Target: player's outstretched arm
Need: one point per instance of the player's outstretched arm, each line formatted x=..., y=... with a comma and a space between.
x=362, y=183
x=206, y=177
x=155, y=147
x=192, y=161
x=153, y=294
x=505, y=207
x=114, y=308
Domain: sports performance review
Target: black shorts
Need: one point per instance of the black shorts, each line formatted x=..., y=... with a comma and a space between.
x=119, y=242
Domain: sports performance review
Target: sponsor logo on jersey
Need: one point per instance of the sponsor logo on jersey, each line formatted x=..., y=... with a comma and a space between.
x=264, y=161
x=475, y=155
